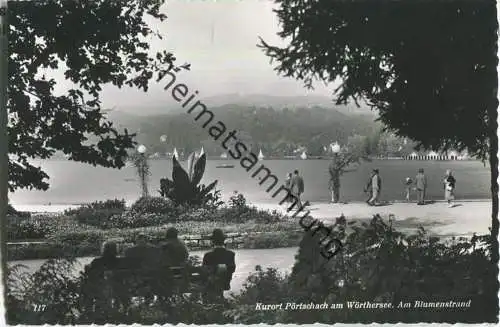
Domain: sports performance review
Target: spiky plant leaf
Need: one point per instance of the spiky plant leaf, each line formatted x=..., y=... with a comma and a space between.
x=199, y=169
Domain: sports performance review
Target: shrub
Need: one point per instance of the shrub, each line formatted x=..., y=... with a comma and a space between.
x=99, y=205
x=36, y=251
x=268, y=287
x=26, y=230
x=272, y=240
x=52, y=286
x=62, y=294
x=13, y=212
x=245, y=214
x=153, y=205
x=379, y=264
x=131, y=219
x=95, y=217
x=238, y=201
x=97, y=213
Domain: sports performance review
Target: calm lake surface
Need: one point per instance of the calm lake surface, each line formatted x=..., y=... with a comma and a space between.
x=75, y=183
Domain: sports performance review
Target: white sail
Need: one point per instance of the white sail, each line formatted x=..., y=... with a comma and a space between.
x=202, y=151
x=224, y=155
x=261, y=155
x=303, y=156
x=176, y=154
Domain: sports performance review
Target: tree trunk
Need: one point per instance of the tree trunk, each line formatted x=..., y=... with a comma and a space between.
x=336, y=193
x=493, y=160
x=4, y=158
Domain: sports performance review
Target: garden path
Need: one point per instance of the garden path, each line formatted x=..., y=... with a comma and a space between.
x=464, y=219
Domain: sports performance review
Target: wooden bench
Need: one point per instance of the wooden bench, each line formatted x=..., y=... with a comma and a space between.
x=120, y=287
x=202, y=241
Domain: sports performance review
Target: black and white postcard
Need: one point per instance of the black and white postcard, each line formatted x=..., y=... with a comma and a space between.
x=248, y=161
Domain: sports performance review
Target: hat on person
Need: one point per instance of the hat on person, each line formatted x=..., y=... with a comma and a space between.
x=218, y=236
x=172, y=233
x=375, y=171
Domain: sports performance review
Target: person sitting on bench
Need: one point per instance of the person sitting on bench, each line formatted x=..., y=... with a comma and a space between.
x=97, y=287
x=220, y=266
x=174, y=252
x=142, y=255
x=143, y=261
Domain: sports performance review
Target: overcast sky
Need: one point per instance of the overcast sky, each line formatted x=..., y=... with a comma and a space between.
x=226, y=62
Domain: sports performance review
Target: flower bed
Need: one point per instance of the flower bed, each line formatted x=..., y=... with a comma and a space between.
x=81, y=231
x=87, y=242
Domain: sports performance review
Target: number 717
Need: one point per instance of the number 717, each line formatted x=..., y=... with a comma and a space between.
x=39, y=307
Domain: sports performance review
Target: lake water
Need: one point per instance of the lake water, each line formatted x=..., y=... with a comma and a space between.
x=74, y=183
x=246, y=260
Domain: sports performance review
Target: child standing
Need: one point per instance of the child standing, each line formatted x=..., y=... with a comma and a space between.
x=408, y=182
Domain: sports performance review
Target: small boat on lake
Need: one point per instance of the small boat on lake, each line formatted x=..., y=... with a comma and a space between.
x=303, y=156
x=223, y=156
x=225, y=166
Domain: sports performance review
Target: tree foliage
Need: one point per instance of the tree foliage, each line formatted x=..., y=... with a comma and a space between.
x=429, y=68
x=94, y=43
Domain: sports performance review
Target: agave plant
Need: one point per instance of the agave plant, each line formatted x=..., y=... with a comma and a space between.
x=185, y=187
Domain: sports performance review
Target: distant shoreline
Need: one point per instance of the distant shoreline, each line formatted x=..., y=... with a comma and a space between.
x=61, y=207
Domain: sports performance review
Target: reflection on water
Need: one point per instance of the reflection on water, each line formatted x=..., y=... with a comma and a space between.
x=246, y=260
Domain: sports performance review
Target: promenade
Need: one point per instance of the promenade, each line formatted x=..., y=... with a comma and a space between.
x=464, y=219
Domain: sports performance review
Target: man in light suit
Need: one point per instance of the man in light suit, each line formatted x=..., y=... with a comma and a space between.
x=297, y=187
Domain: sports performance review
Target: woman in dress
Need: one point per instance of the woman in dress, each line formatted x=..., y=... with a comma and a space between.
x=288, y=185
x=449, y=188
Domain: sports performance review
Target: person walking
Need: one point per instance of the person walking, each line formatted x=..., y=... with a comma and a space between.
x=408, y=183
x=375, y=184
x=368, y=188
x=449, y=188
x=288, y=186
x=297, y=187
x=334, y=182
x=421, y=185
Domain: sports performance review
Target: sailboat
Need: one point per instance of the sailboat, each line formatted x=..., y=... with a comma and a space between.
x=176, y=154
x=223, y=156
x=261, y=155
x=303, y=156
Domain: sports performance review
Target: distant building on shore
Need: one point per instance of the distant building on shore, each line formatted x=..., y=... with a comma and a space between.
x=432, y=155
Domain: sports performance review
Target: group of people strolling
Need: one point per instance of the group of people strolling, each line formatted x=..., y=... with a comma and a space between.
x=419, y=184
x=295, y=185
x=218, y=264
